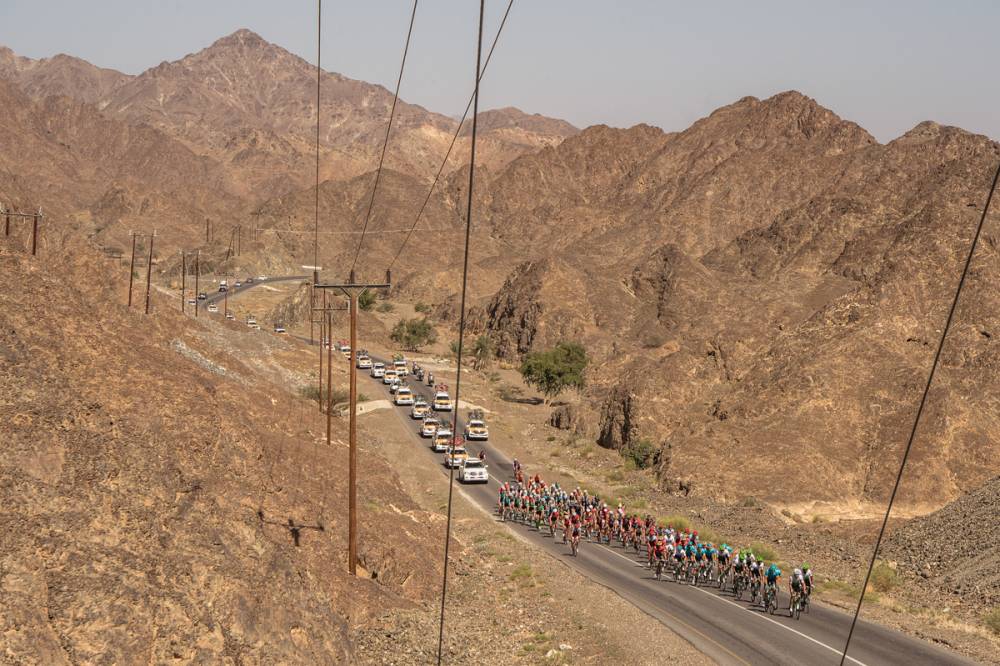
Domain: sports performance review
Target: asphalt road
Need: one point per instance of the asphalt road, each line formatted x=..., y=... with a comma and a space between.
x=729, y=631
x=216, y=296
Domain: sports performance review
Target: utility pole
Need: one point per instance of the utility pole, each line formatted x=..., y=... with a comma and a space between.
x=34, y=231
x=329, y=377
x=352, y=290
x=322, y=337
x=239, y=240
x=183, y=279
x=131, y=266
x=6, y=224
x=149, y=268
x=207, y=230
x=197, y=279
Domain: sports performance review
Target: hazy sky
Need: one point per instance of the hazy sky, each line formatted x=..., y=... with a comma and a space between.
x=886, y=65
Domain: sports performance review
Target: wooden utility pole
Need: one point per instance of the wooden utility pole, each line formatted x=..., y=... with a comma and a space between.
x=131, y=266
x=6, y=223
x=197, y=279
x=34, y=231
x=322, y=324
x=183, y=279
x=329, y=378
x=207, y=230
x=239, y=240
x=352, y=290
x=149, y=268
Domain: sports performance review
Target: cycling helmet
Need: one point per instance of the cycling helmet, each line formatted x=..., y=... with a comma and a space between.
x=805, y=566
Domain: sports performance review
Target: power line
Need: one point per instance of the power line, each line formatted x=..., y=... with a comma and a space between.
x=461, y=326
x=401, y=230
x=920, y=409
x=385, y=143
x=319, y=44
x=454, y=138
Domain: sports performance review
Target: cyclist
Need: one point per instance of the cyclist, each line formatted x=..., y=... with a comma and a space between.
x=807, y=579
x=773, y=576
x=756, y=578
x=796, y=586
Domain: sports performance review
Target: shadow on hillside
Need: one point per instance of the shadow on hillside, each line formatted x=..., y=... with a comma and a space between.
x=294, y=529
x=534, y=400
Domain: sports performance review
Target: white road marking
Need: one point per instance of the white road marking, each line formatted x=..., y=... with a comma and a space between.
x=754, y=614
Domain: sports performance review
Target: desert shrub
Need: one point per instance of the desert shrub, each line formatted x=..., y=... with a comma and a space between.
x=422, y=308
x=992, y=620
x=412, y=334
x=385, y=306
x=884, y=578
x=366, y=300
x=641, y=452
x=763, y=552
x=749, y=501
x=679, y=522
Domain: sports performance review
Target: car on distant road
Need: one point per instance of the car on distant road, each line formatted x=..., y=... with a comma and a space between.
x=223, y=288
x=202, y=296
x=238, y=284
x=477, y=430
x=442, y=402
x=378, y=370
x=442, y=439
x=364, y=362
x=278, y=328
x=261, y=278
x=473, y=470
x=249, y=280
x=456, y=456
x=230, y=315
x=404, y=396
x=420, y=408
x=191, y=301
x=429, y=427
x=389, y=376
x=212, y=307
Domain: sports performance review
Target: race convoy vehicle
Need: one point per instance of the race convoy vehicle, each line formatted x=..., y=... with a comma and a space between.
x=442, y=439
x=278, y=328
x=378, y=370
x=404, y=396
x=202, y=296
x=223, y=286
x=394, y=386
x=212, y=307
x=442, y=401
x=477, y=430
x=429, y=427
x=364, y=362
x=456, y=456
x=473, y=470
x=400, y=365
x=230, y=315
x=238, y=284
x=420, y=408
x=388, y=376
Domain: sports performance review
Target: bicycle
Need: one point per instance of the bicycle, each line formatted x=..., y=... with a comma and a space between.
x=574, y=544
x=795, y=605
x=739, y=585
x=770, y=599
x=755, y=591
x=659, y=568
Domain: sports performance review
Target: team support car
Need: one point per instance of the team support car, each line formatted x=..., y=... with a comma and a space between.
x=456, y=456
x=378, y=370
x=473, y=470
x=388, y=376
x=443, y=438
x=364, y=362
x=278, y=328
x=400, y=365
x=420, y=408
x=442, y=402
x=212, y=307
x=395, y=385
x=230, y=316
x=404, y=396
x=429, y=427
x=477, y=430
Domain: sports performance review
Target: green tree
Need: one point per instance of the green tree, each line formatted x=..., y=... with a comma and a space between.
x=412, y=334
x=482, y=352
x=554, y=370
x=366, y=300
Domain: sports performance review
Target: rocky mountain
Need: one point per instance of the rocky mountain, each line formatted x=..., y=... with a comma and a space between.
x=250, y=105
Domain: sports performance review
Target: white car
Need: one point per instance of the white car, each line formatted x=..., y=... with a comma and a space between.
x=442, y=402
x=212, y=307
x=473, y=470
x=364, y=363
x=230, y=315
x=238, y=284
x=442, y=440
x=278, y=328
x=378, y=370
x=404, y=396
x=456, y=455
x=389, y=376
x=477, y=430
x=429, y=426
x=400, y=366
x=395, y=386
x=261, y=277
x=420, y=408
